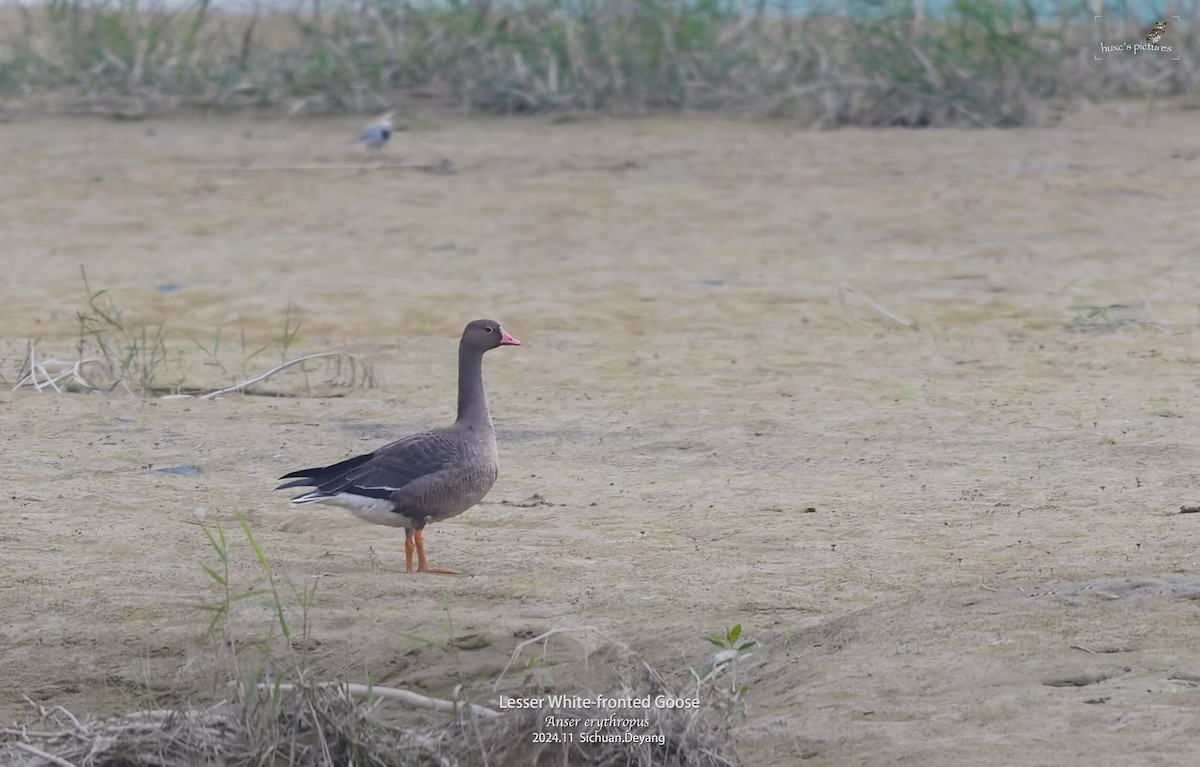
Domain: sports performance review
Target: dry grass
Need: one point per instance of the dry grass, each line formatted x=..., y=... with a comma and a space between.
x=117, y=352
x=287, y=718
x=982, y=63
x=326, y=725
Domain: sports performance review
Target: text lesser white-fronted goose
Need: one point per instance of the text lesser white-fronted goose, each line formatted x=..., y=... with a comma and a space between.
x=429, y=476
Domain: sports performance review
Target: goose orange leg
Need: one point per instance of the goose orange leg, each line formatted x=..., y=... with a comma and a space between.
x=408, y=550
x=422, y=563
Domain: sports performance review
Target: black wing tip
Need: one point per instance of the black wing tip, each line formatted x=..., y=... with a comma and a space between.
x=319, y=475
x=304, y=473
x=305, y=482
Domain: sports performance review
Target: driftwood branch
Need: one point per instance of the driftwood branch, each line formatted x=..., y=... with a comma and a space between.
x=264, y=376
x=362, y=691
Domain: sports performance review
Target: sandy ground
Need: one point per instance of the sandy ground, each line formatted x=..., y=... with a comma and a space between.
x=694, y=376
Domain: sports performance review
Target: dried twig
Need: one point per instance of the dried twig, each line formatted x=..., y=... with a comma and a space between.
x=52, y=372
x=42, y=754
x=271, y=372
x=846, y=287
x=362, y=692
x=60, y=710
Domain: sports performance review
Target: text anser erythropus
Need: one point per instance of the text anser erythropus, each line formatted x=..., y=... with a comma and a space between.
x=429, y=476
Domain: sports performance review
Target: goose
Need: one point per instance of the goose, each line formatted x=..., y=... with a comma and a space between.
x=426, y=477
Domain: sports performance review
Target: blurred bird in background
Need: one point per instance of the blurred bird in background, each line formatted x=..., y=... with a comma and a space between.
x=377, y=136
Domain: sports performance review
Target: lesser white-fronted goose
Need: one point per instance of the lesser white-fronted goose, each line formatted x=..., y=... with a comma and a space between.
x=429, y=476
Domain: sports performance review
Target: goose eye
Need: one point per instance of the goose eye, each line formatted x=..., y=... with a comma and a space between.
x=488, y=329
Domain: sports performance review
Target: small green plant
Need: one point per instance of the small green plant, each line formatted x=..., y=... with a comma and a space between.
x=291, y=329
x=222, y=625
x=131, y=354
x=1090, y=317
x=732, y=640
x=241, y=362
x=342, y=369
x=539, y=673
x=731, y=648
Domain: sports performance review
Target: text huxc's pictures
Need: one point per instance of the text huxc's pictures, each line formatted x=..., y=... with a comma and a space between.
x=1150, y=42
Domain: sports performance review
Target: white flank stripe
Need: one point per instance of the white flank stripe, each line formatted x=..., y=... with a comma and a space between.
x=377, y=511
